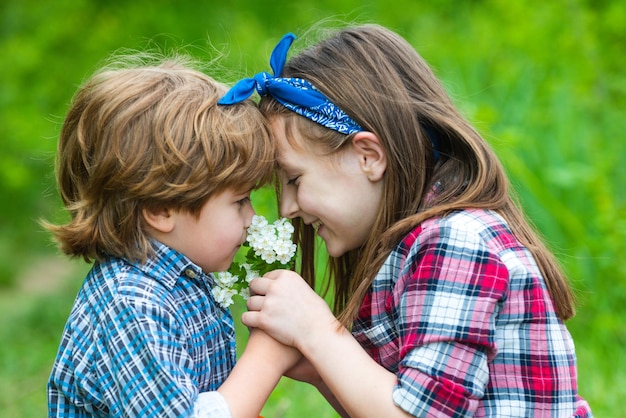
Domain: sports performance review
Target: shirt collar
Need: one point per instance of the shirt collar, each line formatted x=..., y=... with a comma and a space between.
x=167, y=265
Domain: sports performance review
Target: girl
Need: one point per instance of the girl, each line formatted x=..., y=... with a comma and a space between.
x=447, y=302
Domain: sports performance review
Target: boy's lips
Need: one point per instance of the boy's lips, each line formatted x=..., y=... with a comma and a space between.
x=317, y=224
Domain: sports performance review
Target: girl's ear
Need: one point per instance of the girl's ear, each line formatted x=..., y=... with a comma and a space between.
x=159, y=219
x=372, y=157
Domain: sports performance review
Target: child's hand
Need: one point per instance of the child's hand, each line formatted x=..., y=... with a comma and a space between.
x=285, y=306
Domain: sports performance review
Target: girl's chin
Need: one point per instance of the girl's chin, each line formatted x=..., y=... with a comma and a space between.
x=333, y=249
x=336, y=248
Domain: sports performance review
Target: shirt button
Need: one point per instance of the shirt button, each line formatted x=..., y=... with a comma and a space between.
x=190, y=273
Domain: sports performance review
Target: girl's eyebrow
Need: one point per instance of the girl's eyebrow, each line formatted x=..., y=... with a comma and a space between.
x=285, y=170
x=284, y=165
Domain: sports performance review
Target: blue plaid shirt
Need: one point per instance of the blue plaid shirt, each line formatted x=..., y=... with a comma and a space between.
x=141, y=340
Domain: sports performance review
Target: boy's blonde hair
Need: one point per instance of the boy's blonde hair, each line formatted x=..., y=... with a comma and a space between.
x=151, y=136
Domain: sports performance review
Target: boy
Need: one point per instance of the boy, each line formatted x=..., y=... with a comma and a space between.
x=157, y=180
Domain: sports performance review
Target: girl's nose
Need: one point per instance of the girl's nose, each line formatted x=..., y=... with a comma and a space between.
x=288, y=203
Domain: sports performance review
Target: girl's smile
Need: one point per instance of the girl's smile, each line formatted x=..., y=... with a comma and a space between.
x=317, y=225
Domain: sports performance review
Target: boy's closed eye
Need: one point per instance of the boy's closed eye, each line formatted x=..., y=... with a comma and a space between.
x=246, y=200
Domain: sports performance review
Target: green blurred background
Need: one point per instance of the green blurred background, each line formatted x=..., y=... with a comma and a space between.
x=543, y=81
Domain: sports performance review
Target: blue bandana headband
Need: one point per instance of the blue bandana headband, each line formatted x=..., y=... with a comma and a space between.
x=296, y=94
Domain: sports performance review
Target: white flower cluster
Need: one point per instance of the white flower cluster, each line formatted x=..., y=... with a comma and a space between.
x=271, y=242
x=270, y=248
x=225, y=289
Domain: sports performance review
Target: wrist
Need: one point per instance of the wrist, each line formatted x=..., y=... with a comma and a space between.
x=319, y=337
x=271, y=356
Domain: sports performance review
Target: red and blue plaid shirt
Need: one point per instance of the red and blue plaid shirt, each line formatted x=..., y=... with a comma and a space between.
x=461, y=313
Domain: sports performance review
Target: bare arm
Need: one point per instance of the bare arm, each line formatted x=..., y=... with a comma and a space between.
x=288, y=309
x=304, y=371
x=256, y=374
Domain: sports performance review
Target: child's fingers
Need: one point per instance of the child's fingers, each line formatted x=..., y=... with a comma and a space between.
x=259, y=285
x=254, y=319
x=255, y=303
x=247, y=318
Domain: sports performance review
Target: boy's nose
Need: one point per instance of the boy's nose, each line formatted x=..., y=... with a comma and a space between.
x=251, y=212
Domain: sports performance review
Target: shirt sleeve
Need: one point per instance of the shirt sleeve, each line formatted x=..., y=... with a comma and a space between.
x=144, y=367
x=447, y=298
x=211, y=405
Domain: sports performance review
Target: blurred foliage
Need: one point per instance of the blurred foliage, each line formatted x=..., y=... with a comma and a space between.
x=543, y=81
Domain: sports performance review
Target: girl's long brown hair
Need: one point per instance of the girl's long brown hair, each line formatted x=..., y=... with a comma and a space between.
x=378, y=78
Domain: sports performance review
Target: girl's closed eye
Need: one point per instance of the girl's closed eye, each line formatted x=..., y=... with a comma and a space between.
x=293, y=180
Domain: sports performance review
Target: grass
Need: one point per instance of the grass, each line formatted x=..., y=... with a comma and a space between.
x=30, y=329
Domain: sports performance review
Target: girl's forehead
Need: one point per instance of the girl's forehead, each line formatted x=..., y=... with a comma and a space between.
x=288, y=157
x=290, y=148
x=293, y=157
x=295, y=147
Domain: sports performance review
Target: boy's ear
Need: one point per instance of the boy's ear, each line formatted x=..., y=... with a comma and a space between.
x=159, y=219
x=372, y=157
